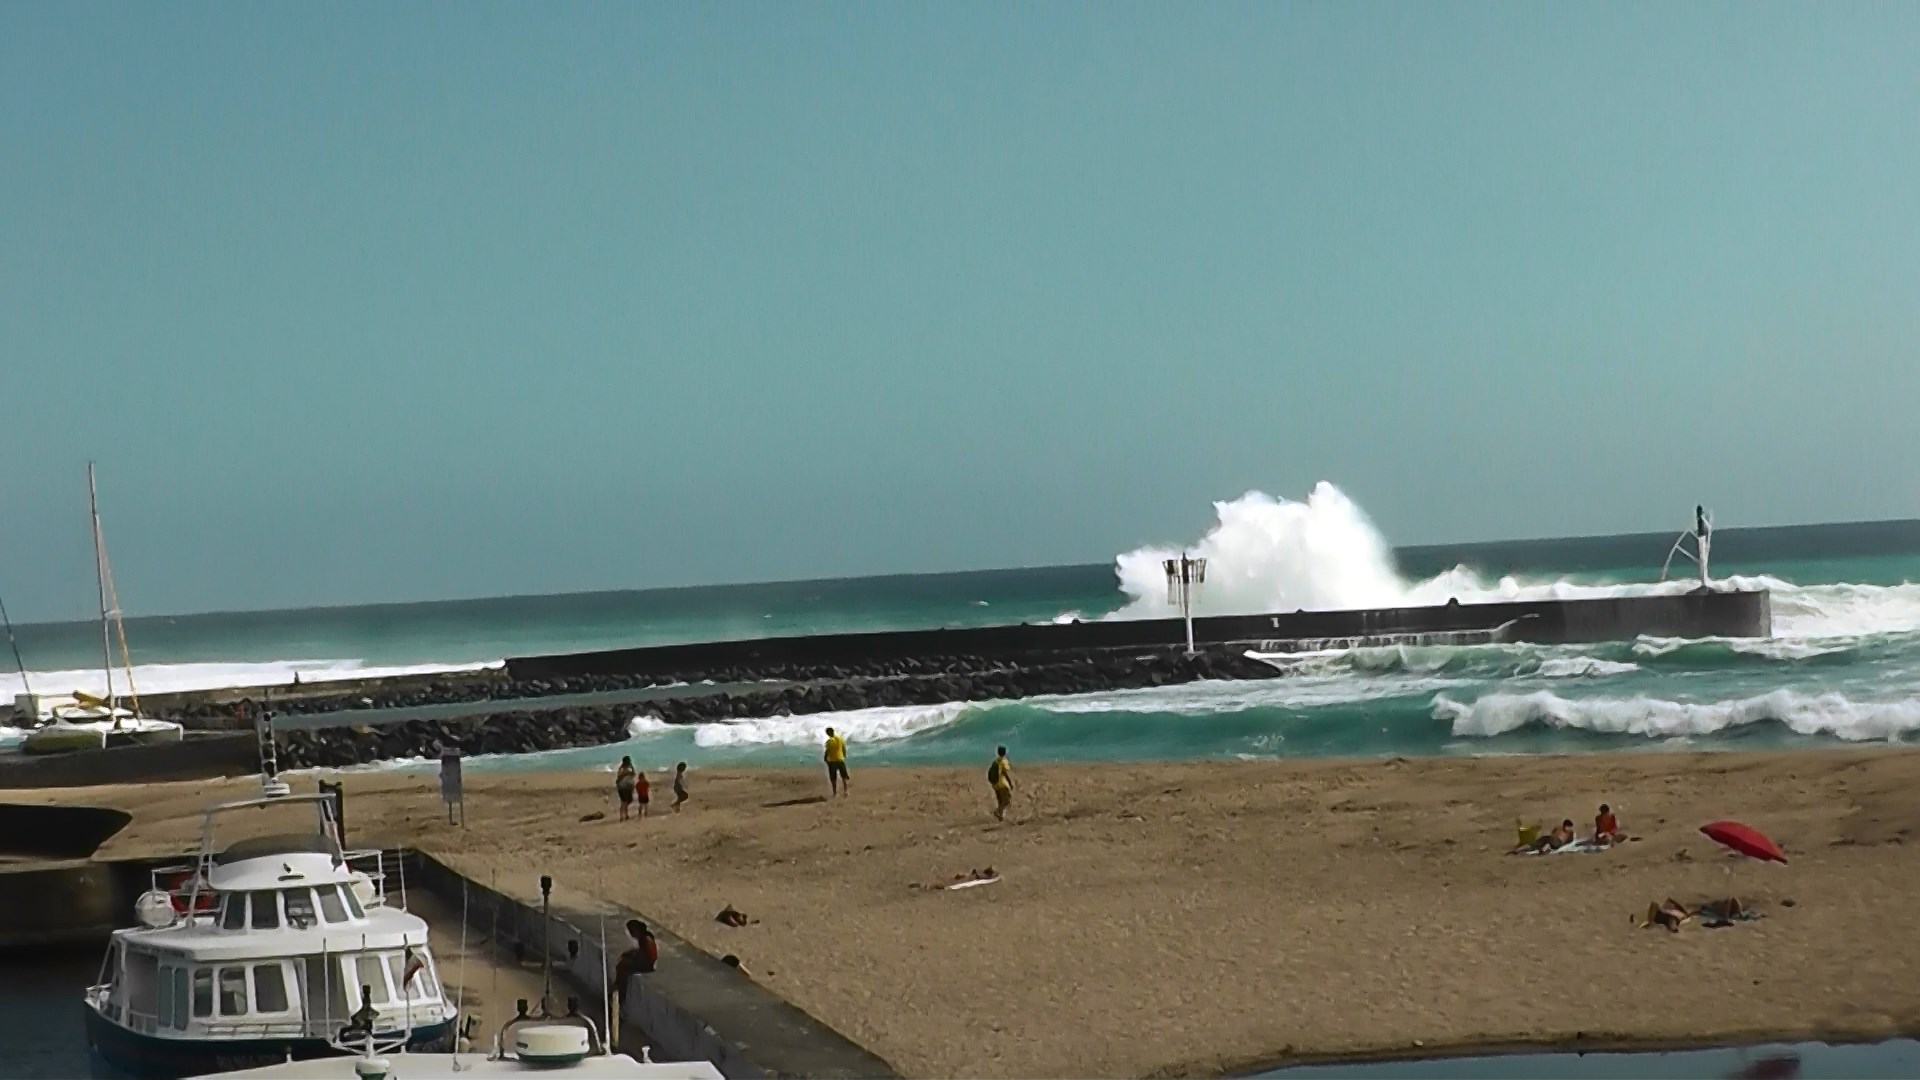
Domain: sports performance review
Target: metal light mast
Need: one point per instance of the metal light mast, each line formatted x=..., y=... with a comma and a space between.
x=1184, y=577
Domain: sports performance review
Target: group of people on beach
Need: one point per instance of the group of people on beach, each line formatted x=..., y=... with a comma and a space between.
x=1606, y=833
x=630, y=787
x=999, y=773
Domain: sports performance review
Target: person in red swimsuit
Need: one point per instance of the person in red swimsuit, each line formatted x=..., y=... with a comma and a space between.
x=1606, y=827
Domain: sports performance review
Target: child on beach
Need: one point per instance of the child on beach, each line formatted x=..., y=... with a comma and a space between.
x=623, y=785
x=640, y=788
x=679, y=785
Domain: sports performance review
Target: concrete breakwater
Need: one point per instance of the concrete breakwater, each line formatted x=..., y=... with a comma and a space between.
x=554, y=729
x=968, y=652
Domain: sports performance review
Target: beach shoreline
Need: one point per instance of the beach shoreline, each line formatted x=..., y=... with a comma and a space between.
x=1226, y=918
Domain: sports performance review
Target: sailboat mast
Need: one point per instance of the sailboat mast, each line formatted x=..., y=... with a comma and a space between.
x=100, y=578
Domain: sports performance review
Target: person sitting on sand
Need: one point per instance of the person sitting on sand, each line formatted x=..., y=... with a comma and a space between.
x=1000, y=775
x=623, y=785
x=1606, y=827
x=679, y=785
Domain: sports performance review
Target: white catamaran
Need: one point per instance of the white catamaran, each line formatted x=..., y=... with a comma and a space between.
x=95, y=723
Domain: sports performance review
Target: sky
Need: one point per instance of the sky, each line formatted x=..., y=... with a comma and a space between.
x=367, y=302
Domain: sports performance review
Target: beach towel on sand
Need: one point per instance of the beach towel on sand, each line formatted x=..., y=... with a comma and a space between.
x=1577, y=847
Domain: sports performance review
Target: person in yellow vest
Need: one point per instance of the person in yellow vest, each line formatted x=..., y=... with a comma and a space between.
x=836, y=758
x=1000, y=775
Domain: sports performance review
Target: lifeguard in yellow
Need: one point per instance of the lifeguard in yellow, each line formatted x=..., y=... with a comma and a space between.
x=836, y=758
x=1000, y=775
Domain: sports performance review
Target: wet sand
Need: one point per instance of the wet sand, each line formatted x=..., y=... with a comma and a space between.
x=1209, y=917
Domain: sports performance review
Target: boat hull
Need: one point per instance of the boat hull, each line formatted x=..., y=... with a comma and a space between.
x=66, y=739
x=160, y=1057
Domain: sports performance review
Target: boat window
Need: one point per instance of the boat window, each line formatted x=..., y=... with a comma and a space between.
x=299, y=908
x=371, y=974
x=266, y=911
x=233, y=991
x=353, y=902
x=163, y=1009
x=269, y=988
x=330, y=905
x=202, y=992
x=179, y=1011
x=421, y=989
x=234, y=916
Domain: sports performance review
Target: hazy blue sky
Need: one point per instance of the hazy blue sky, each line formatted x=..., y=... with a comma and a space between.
x=358, y=302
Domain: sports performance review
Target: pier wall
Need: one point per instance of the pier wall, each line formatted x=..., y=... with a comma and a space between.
x=692, y=1007
x=1694, y=614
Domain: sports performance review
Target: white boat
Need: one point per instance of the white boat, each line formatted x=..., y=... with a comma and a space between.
x=264, y=949
x=96, y=723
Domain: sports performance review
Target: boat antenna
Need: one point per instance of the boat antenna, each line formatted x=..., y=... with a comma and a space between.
x=25, y=686
x=460, y=973
x=493, y=944
x=606, y=979
x=546, y=956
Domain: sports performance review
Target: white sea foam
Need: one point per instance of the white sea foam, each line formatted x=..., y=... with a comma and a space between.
x=167, y=678
x=1808, y=714
x=1274, y=554
x=644, y=724
x=1583, y=667
x=1222, y=697
x=856, y=725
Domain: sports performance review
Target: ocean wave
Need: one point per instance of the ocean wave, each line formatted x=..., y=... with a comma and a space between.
x=1221, y=697
x=1582, y=667
x=856, y=725
x=1268, y=554
x=170, y=678
x=1829, y=714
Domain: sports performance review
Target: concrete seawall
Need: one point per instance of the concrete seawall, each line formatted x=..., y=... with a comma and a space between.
x=195, y=758
x=692, y=1008
x=1695, y=614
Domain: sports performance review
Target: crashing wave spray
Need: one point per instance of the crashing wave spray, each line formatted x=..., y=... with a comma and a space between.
x=1268, y=554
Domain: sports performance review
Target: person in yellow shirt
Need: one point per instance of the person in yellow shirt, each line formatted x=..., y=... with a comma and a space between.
x=836, y=757
x=1000, y=775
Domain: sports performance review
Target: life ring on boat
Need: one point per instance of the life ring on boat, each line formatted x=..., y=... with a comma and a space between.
x=179, y=885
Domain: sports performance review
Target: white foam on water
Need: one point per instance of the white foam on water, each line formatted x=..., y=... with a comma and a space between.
x=647, y=725
x=1231, y=696
x=1583, y=667
x=855, y=725
x=1828, y=714
x=168, y=678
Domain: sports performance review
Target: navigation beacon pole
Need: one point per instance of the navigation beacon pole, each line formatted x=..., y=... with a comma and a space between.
x=1184, y=575
x=1702, y=541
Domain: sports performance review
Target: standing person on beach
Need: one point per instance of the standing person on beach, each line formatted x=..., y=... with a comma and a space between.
x=836, y=758
x=679, y=785
x=623, y=785
x=1000, y=775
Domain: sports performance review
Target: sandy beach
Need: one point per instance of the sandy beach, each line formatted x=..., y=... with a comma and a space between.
x=1209, y=917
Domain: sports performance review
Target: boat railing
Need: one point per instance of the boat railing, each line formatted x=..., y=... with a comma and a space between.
x=392, y=1022
x=373, y=863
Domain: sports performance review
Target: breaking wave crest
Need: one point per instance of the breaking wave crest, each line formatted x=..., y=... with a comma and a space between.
x=1829, y=714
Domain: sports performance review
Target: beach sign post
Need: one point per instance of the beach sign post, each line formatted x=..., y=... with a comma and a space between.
x=1184, y=576
x=450, y=792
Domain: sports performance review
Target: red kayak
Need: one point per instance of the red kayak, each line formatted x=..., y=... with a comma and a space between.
x=1744, y=839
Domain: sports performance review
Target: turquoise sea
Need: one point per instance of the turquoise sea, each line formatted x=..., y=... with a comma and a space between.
x=1842, y=667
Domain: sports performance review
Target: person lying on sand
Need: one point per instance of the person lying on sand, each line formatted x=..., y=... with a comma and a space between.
x=1713, y=913
x=1560, y=837
x=732, y=916
x=1669, y=914
x=959, y=879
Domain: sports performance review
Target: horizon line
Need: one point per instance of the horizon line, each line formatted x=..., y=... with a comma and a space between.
x=1398, y=551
